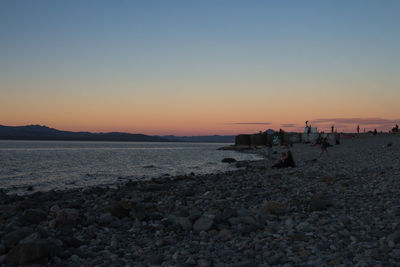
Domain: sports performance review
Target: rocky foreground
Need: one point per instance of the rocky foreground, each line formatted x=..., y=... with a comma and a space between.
x=343, y=209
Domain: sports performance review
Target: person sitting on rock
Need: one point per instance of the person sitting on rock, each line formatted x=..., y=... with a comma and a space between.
x=279, y=164
x=286, y=161
x=289, y=161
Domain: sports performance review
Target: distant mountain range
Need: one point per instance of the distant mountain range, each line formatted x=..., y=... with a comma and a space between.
x=38, y=132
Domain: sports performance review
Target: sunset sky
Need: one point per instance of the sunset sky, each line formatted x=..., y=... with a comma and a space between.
x=200, y=67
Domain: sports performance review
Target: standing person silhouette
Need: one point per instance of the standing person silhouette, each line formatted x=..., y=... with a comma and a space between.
x=358, y=129
x=324, y=147
x=332, y=128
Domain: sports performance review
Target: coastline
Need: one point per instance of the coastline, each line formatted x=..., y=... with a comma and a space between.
x=340, y=209
x=68, y=165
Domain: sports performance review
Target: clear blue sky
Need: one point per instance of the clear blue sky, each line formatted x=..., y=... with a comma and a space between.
x=68, y=55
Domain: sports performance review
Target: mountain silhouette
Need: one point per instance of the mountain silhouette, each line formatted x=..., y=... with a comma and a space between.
x=38, y=132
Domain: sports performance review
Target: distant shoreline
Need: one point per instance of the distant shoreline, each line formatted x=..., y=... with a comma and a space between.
x=41, y=132
x=78, y=139
x=101, y=140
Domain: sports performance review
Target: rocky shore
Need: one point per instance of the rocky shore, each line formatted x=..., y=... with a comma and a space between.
x=336, y=210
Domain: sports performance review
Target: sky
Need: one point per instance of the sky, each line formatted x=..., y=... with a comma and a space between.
x=200, y=67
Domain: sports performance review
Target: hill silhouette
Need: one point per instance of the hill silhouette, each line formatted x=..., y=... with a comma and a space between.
x=41, y=132
x=38, y=132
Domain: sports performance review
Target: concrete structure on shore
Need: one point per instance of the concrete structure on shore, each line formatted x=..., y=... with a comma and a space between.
x=282, y=138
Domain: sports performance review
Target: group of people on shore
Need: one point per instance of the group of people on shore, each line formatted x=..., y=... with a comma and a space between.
x=287, y=157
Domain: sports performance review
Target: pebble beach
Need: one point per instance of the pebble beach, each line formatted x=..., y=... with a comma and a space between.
x=336, y=210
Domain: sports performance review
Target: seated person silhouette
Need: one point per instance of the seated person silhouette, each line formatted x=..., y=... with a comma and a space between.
x=286, y=161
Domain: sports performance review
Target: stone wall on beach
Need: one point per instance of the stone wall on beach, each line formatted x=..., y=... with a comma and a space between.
x=262, y=139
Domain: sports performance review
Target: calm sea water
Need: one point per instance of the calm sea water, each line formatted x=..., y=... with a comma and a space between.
x=47, y=165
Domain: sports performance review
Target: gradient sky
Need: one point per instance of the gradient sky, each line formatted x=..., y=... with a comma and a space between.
x=199, y=67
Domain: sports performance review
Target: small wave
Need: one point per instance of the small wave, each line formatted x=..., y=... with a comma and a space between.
x=73, y=165
x=149, y=167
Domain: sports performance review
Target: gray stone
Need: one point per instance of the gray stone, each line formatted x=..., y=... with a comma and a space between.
x=244, y=263
x=67, y=217
x=29, y=252
x=203, y=263
x=273, y=207
x=30, y=238
x=14, y=237
x=228, y=160
x=156, y=259
x=184, y=222
x=190, y=261
x=2, y=248
x=55, y=209
x=394, y=237
x=106, y=219
x=119, y=209
x=33, y=216
x=204, y=223
x=242, y=219
x=3, y=259
x=318, y=203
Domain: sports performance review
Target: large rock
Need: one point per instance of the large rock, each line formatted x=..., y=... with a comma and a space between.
x=243, y=220
x=14, y=237
x=204, y=223
x=184, y=222
x=119, y=209
x=106, y=219
x=318, y=203
x=273, y=207
x=33, y=216
x=203, y=263
x=155, y=187
x=7, y=211
x=194, y=214
x=394, y=237
x=3, y=197
x=71, y=241
x=140, y=211
x=228, y=213
x=54, y=209
x=181, y=211
x=67, y=217
x=29, y=252
x=228, y=160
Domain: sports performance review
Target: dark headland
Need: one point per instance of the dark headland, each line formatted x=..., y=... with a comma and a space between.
x=39, y=132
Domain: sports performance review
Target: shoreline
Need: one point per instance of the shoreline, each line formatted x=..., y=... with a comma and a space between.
x=341, y=209
x=119, y=163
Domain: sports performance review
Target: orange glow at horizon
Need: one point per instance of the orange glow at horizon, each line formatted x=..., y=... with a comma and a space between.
x=183, y=108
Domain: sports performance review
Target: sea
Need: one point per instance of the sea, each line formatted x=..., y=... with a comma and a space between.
x=62, y=165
